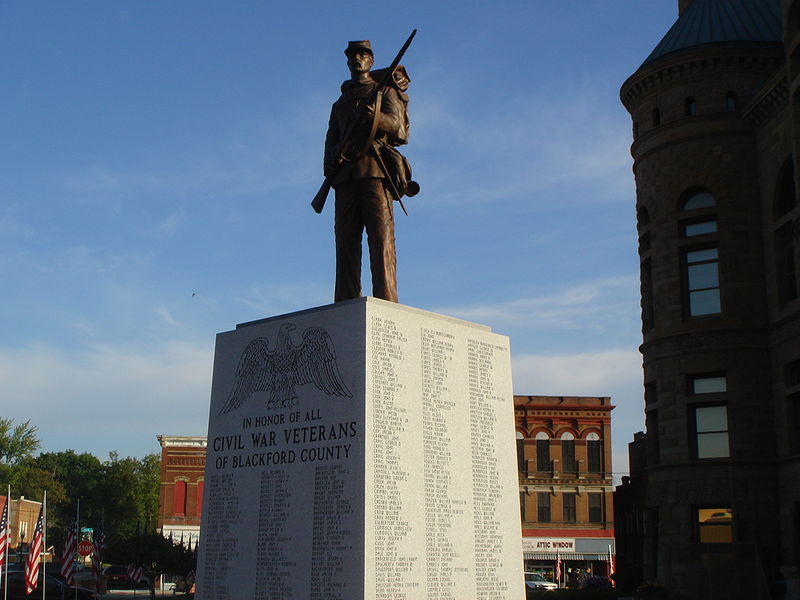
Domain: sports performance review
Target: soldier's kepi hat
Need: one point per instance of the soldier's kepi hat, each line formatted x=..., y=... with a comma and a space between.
x=360, y=45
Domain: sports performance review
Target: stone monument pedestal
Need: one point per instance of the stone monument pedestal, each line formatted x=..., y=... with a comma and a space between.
x=361, y=450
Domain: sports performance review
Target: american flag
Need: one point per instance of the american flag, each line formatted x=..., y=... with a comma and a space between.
x=32, y=564
x=558, y=567
x=611, y=566
x=100, y=539
x=95, y=562
x=4, y=533
x=135, y=573
x=68, y=555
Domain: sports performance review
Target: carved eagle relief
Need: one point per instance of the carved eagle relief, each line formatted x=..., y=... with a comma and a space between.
x=278, y=371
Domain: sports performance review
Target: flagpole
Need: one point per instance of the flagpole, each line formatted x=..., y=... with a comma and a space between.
x=44, y=546
x=77, y=541
x=7, y=533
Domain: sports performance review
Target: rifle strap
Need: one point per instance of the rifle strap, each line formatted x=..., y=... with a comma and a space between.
x=375, y=118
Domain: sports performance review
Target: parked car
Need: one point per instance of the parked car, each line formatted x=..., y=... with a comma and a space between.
x=55, y=589
x=535, y=582
x=118, y=579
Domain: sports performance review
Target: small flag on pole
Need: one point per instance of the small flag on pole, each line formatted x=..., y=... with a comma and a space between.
x=611, y=566
x=35, y=550
x=558, y=568
x=135, y=574
x=95, y=563
x=68, y=555
x=100, y=539
x=4, y=533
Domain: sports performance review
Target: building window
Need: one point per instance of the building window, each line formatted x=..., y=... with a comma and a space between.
x=200, y=498
x=595, y=508
x=785, y=193
x=707, y=384
x=715, y=525
x=702, y=281
x=690, y=106
x=711, y=431
x=568, y=464
x=569, y=508
x=656, y=117
x=179, y=503
x=594, y=453
x=648, y=309
x=730, y=102
x=521, y=467
x=542, y=452
x=700, y=228
x=699, y=199
x=522, y=504
x=543, y=507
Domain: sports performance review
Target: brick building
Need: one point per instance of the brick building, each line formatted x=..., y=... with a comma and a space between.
x=565, y=482
x=712, y=507
x=183, y=461
x=22, y=516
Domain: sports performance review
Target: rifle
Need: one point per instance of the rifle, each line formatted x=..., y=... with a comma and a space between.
x=318, y=202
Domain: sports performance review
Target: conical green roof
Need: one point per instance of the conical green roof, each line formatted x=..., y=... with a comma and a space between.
x=722, y=22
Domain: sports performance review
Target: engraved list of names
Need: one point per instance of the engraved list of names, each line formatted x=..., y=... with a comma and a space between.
x=440, y=412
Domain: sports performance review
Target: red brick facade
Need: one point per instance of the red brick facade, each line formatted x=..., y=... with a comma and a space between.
x=565, y=479
x=183, y=462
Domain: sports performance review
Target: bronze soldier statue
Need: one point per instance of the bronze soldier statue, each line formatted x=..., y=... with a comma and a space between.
x=367, y=122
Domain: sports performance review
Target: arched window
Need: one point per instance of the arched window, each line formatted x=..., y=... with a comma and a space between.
x=543, y=452
x=179, y=499
x=568, y=463
x=520, y=451
x=730, y=102
x=699, y=199
x=594, y=453
x=689, y=106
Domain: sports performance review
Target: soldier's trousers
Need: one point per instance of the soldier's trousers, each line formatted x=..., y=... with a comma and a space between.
x=364, y=204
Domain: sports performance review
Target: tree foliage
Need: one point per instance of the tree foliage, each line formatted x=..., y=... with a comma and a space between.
x=17, y=442
x=122, y=494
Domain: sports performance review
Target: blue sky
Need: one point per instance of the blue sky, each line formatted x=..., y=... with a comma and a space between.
x=158, y=161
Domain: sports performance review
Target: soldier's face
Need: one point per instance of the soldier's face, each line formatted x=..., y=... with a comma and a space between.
x=359, y=61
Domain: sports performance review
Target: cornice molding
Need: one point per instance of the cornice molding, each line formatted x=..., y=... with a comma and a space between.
x=673, y=69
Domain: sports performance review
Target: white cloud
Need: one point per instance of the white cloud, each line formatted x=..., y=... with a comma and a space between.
x=166, y=316
x=107, y=398
x=593, y=305
x=168, y=226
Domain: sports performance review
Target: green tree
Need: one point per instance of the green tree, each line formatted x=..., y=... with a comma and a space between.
x=131, y=486
x=82, y=476
x=17, y=443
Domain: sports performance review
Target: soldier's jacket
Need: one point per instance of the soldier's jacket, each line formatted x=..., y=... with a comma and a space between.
x=392, y=130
